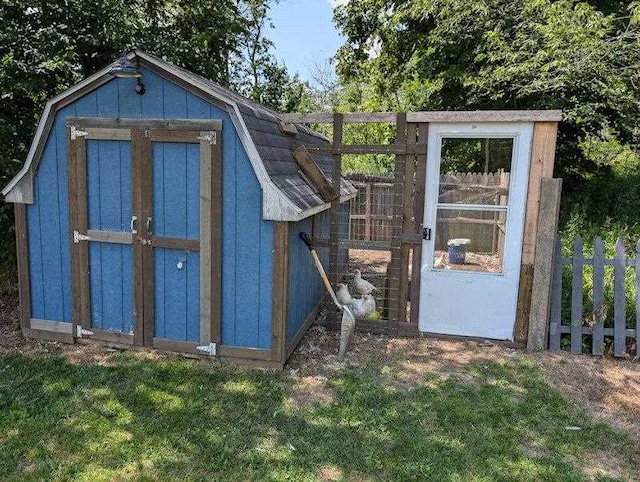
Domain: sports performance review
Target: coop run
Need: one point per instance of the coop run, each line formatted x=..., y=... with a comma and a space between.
x=457, y=227
x=159, y=209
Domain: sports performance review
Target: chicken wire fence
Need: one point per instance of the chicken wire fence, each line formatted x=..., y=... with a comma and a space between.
x=367, y=225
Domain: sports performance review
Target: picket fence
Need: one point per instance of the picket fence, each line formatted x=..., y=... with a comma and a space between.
x=606, y=326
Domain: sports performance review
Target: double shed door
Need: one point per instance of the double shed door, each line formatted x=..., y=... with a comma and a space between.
x=144, y=197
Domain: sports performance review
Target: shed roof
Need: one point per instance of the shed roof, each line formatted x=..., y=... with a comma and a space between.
x=287, y=194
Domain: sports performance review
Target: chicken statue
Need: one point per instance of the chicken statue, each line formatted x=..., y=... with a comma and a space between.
x=361, y=284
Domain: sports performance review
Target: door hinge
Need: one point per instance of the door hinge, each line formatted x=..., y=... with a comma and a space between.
x=75, y=133
x=77, y=237
x=209, y=137
x=426, y=234
x=81, y=331
x=211, y=349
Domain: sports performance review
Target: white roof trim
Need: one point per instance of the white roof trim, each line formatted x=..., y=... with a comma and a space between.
x=322, y=207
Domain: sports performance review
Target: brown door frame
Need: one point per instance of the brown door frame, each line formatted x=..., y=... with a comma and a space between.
x=79, y=227
x=141, y=133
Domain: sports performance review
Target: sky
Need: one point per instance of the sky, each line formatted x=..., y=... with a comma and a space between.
x=304, y=33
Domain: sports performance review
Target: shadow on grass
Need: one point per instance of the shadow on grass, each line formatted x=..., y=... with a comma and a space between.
x=172, y=418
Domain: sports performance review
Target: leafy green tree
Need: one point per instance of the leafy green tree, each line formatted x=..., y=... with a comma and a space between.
x=583, y=58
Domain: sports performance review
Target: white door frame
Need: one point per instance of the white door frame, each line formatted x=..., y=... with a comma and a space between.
x=469, y=303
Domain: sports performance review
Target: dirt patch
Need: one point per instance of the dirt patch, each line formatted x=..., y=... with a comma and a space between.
x=10, y=335
x=308, y=391
x=607, y=387
x=369, y=262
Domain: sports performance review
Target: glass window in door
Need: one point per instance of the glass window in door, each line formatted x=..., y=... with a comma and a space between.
x=473, y=200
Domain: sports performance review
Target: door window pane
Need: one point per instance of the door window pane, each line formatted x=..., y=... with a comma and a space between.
x=470, y=240
x=475, y=171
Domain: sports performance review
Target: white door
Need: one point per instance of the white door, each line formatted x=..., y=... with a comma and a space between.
x=476, y=189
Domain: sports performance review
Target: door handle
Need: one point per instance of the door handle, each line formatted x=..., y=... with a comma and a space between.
x=134, y=230
x=149, y=225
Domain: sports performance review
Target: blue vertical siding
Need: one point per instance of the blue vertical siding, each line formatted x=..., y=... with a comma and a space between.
x=176, y=214
x=109, y=178
x=305, y=285
x=176, y=190
x=247, y=239
x=177, y=294
x=111, y=266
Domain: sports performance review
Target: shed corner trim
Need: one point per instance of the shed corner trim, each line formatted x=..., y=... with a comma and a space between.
x=277, y=207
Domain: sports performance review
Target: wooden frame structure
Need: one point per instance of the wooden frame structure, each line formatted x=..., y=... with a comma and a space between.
x=410, y=160
x=409, y=149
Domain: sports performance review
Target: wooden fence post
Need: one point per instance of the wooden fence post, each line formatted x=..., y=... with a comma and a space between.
x=619, y=300
x=576, y=296
x=555, y=316
x=394, y=269
x=334, y=213
x=543, y=269
x=597, y=344
x=418, y=215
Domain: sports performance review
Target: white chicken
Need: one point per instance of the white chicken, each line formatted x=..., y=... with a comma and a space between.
x=370, y=304
x=343, y=295
x=363, y=307
x=441, y=262
x=362, y=285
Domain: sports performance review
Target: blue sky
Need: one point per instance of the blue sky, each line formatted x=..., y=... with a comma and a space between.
x=304, y=32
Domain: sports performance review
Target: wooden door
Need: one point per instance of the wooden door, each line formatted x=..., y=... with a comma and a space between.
x=145, y=215
x=180, y=311
x=101, y=174
x=476, y=185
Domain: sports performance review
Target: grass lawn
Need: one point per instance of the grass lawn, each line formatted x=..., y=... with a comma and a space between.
x=129, y=415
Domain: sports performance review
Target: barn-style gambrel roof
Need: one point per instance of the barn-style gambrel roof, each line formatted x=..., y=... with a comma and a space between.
x=288, y=195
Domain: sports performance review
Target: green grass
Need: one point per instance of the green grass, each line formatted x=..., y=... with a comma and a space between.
x=135, y=418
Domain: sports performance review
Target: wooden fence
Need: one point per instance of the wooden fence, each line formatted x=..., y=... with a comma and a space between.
x=605, y=325
x=371, y=211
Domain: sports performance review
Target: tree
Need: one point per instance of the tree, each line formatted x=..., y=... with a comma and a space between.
x=472, y=54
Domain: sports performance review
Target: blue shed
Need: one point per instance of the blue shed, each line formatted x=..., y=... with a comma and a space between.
x=163, y=210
